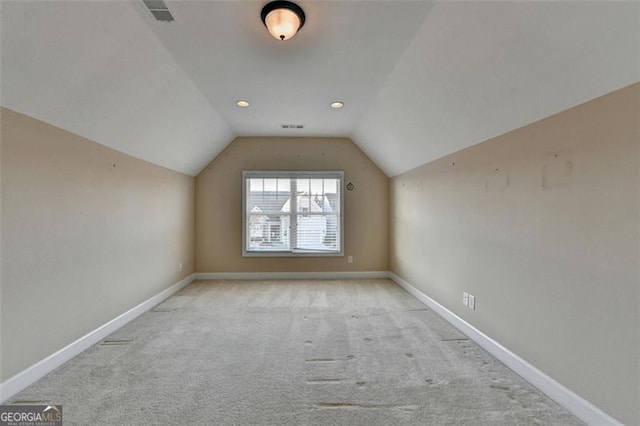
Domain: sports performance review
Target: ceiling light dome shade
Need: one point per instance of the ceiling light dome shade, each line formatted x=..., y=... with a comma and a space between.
x=282, y=18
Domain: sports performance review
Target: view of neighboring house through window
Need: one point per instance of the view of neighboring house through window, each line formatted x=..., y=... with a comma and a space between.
x=290, y=213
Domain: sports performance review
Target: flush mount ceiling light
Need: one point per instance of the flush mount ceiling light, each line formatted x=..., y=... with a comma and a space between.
x=337, y=105
x=243, y=104
x=282, y=18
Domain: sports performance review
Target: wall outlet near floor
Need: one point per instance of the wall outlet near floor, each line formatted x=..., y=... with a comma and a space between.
x=349, y=259
x=469, y=300
x=180, y=267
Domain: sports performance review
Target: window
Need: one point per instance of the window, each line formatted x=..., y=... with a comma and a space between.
x=292, y=213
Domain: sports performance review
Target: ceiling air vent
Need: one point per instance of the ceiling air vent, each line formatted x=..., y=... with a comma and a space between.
x=159, y=10
x=292, y=126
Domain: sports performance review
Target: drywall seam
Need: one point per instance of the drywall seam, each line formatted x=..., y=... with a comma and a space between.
x=15, y=384
x=343, y=275
x=574, y=403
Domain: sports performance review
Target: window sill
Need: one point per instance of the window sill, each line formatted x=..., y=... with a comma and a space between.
x=296, y=253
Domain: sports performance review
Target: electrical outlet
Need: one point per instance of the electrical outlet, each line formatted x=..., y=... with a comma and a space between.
x=180, y=267
x=465, y=298
x=472, y=302
x=349, y=259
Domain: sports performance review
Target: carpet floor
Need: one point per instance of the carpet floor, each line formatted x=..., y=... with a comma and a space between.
x=344, y=352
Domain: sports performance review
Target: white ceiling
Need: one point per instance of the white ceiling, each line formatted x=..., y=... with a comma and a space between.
x=419, y=79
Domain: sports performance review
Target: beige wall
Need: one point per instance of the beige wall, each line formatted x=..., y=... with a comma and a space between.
x=541, y=225
x=219, y=205
x=87, y=233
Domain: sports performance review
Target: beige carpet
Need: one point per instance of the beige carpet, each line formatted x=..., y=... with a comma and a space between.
x=357, y=352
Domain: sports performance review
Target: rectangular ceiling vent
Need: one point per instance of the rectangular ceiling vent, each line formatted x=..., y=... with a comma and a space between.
x=292, y=126
x=159, y=10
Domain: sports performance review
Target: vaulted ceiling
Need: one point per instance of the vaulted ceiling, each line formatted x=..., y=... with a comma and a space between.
x=419, y=79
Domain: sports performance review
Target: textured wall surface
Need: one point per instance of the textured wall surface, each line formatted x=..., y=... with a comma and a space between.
x=542, y=226
x=87, y=233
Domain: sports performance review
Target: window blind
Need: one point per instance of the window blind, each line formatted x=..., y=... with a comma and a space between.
x=292, y=213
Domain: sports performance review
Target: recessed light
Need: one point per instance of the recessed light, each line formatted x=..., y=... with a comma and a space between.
x=243, y=104
x=337, y=105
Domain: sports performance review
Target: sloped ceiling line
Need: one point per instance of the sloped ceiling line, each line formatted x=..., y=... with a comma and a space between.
x=419, y=79
x=95, y=69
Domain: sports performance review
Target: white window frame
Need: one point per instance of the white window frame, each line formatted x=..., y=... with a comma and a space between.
x=271, y=174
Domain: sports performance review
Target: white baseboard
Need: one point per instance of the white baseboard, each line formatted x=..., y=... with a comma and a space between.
x=38, y=370
x=574, y=403
x=343, y=275
x=581, y=408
